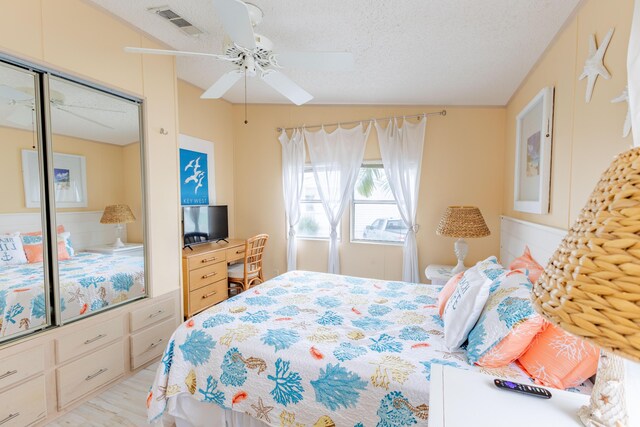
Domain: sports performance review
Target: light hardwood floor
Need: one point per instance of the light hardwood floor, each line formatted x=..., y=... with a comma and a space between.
x=123, y=404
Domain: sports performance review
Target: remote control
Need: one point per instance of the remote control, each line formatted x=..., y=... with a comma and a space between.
x=523, y=388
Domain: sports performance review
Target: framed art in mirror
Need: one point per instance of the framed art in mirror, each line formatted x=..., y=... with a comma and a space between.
x=69, y=180
x=534, y=131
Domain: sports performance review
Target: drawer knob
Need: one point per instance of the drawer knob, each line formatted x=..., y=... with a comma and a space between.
x=209, y=275
x=155, y=344
x=96, y=338
x=8, y=374
x=210, y=294
x=92, y=376
x=157, y=313
x=206, y=260
x=240, y=251
x=9, y=418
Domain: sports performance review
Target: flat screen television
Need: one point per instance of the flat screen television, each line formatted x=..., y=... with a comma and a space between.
x=202, y=224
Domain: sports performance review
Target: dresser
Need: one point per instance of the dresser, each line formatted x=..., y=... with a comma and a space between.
x=204, y=273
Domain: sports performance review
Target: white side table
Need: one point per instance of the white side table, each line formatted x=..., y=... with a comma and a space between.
x=438, y=274
x=466, y=398
x=129, y=249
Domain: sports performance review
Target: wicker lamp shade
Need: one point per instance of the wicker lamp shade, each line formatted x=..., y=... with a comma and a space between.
x=117, y=214
x=462, y=222
x=591, y=286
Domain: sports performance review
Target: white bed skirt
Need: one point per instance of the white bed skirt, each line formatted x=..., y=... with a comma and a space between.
x=185, y=411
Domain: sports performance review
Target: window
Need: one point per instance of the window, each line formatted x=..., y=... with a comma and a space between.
x=313, y=222
x=374, y=215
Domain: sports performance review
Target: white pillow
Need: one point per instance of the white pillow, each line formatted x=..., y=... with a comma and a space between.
x=464, y=307
x=11, y=250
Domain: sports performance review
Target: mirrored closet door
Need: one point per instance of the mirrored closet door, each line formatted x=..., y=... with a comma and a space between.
x=72, y=230
x=97, y=190
x=24, y=283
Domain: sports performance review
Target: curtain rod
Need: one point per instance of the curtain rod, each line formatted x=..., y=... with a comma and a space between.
x=437, y=113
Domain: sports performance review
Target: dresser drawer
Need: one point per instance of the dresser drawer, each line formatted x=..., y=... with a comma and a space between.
x=207, y=259
x=150, y=343
x=16, y=368
x=235, y=254
x=146, y=316
x=87, y=339
x=208, y=295
x=87, y=374
x=23, y=405
x=207, y=275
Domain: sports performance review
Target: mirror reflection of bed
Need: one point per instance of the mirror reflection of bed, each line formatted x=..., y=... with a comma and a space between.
x=96, y=165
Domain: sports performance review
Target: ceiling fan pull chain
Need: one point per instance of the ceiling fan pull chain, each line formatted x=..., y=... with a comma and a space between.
x=245, y=95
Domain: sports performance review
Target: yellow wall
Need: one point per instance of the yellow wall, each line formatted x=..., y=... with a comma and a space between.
x=462, y=164
x=78, y=38
x=586, y=136
x=104, y=164
x=211, y=120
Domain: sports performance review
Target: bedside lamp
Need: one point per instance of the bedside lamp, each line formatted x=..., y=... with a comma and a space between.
x=117, y=214
x=591, y=289
x=463, y=222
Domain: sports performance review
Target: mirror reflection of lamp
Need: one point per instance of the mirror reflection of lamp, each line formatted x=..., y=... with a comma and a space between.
x=117, y=214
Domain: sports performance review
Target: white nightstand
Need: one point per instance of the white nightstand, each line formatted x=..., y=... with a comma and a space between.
x=438, y=274
x=129, y=249
x=466, y=398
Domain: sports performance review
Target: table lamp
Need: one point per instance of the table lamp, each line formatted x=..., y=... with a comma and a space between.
x=463, y=222
x=591, y=289
x=117, y=214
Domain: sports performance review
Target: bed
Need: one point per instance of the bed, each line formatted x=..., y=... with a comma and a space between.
x=88, y=282
x=309, y=349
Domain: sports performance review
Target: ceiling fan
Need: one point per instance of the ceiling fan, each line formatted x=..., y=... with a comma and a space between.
x=253, y=54
x=23, y=101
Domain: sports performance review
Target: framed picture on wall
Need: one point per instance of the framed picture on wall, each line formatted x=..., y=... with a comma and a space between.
x=534, y=130
x=197, y=182
x=69, y=180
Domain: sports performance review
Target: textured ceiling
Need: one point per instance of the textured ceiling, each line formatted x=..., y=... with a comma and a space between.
x=438, y=52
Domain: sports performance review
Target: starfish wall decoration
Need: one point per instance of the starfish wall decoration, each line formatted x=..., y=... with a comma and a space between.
x=624, y=97
x=593, y=66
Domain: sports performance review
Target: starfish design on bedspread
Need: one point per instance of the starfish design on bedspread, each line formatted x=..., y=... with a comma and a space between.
x=76, y=295
x=262, y=411
x=594, y=66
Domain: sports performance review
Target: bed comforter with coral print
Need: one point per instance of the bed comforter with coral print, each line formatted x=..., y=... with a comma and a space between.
x=313, y=349
x=88, y=282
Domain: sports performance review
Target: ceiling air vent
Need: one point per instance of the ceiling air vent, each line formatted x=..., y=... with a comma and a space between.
x=177, y=20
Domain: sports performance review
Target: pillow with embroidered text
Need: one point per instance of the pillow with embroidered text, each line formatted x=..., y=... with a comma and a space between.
x=11, y=250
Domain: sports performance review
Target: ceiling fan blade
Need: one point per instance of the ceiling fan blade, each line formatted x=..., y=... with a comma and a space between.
x=85, y=107
x=222, y=85
x=11, y=93
x=22, y=116
x=173, y=52
x=236, y=21
x=322, y=61
x=286, y=87
x=84, y=117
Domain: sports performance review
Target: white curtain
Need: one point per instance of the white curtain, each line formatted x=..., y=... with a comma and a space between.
x=633, y=73
x=336, y=158
x=401, y=149
x=292, y=178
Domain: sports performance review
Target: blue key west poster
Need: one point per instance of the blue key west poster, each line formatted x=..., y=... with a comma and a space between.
x=194, y=177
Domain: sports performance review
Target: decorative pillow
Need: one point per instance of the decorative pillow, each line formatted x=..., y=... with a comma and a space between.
x=465, y=304
x=526, y=262
x=557, y=359
x=507, y=324
x=11, y=250
x=446, y=291
x=32, y=244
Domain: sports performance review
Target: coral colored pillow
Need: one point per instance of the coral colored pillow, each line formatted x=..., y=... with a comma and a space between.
x=526, y=262
x=446, y=291
x=507, y=324
x=557, y=359
x=32, y=243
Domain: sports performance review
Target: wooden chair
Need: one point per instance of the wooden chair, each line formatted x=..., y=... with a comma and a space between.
x=244, y=275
